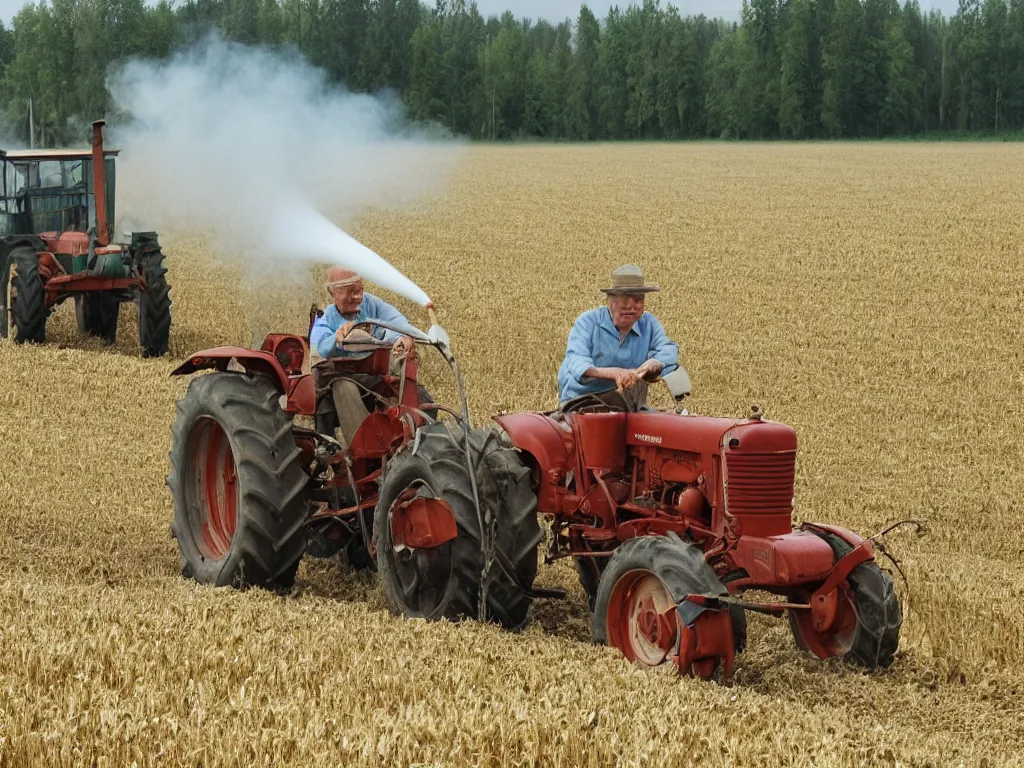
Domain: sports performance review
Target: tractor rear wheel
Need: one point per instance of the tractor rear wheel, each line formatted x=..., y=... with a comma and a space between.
x=443, y=582
x=25, y=299
x=238, y=484
x=154, y=306
x=866, y=628
x=97, y=313
x=644, y=580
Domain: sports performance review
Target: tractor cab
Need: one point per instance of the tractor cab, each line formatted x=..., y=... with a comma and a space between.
x=52, y=194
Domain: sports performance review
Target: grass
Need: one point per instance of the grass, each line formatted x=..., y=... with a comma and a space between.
x=868, y=294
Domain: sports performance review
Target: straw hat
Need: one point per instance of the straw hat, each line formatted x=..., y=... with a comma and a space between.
x=629, y=278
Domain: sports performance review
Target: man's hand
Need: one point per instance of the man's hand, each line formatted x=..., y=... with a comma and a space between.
x=404, y=345
x=625, y=378
x=649, y=369
x=342, y=332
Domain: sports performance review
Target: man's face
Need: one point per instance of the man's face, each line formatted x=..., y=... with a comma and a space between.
x=626, y=309
x=348, y=298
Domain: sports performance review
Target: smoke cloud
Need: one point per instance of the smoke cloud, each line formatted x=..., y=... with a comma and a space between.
x=255, y=149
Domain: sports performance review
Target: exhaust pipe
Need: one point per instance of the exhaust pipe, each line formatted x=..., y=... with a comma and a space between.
x=99, y=185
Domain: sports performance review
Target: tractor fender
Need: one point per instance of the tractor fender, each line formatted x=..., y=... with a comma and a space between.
x=254, y=361
x=9, y=242
x=824, y=599
x=547, y=444
x=845, y=534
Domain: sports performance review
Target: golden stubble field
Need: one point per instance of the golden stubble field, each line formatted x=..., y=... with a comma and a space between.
x=869, y=295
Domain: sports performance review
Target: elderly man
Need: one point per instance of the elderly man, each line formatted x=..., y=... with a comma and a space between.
x=614, y=351
x=350, y=306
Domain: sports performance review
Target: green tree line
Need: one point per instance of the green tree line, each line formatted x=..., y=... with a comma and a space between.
x=787, y=69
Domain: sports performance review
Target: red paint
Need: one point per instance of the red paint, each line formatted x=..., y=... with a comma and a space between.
x=213, y=469
x=835, y=639
x=604, y=435
x=421, y=523
x=302, y=396
x=252, y=360
x=73, y=243
x=548, y=446
x=792, y=558
x=641, y=618
x=706, y=644
x=378, y=435
x=99, y=183
x=291, y=351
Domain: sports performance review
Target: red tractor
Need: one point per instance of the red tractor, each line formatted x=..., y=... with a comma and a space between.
x=669, y=516
x=56, y=232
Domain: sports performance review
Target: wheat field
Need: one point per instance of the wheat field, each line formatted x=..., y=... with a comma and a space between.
x=870, y=295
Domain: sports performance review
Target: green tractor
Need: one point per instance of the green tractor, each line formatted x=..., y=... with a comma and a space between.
x=56, y=228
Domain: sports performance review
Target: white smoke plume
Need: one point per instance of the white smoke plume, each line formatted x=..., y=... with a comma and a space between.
x=254, y=148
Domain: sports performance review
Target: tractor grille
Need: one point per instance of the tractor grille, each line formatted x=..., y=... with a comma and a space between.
x=760, y=491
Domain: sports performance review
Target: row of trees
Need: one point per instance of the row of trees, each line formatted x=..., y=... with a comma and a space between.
x=789, y=68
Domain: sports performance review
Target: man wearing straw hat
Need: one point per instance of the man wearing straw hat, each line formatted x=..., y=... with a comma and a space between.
x=350, y=306
x=613, y=351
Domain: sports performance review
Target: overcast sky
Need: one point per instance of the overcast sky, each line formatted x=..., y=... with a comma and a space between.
x=557, y=10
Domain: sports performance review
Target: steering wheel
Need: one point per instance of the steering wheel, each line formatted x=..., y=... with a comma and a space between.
x=593, y=403
x=369, y=341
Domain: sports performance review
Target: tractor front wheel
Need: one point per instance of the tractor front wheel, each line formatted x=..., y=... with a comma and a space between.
x=97, y=315
x=636, y=608
x=866, y=627
x=238, y=484
x=443, y=581
x=24, y=315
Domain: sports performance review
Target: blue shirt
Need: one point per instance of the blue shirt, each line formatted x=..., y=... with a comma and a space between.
x=322, y=337
x=594, y=343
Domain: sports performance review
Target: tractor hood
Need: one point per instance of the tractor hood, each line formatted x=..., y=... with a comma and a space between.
x=708, y=433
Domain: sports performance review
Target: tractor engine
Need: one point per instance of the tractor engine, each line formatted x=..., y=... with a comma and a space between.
x=653, y=472
x=677, y=480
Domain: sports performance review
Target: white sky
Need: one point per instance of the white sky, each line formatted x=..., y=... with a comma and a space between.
x=557, y=10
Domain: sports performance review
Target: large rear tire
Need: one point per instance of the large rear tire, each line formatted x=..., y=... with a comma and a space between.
x=238, y=484
x=154, y=315
x=24, y=298
x=866, y=629
x=443, y=582
x=97, y=314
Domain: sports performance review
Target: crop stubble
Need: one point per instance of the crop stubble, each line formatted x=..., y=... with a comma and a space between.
x=869, y=295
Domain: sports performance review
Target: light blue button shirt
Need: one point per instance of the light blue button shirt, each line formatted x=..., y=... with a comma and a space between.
x=322, y=338
x=594, y=343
